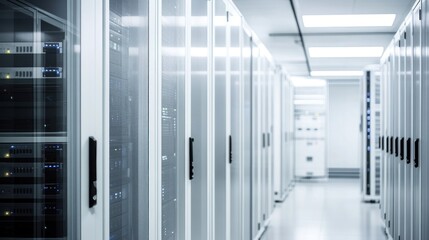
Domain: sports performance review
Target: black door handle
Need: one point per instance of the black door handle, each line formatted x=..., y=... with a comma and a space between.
x=379, y=142
x=230, y=149
x=408, y=150
x=92, y=172
x=382, y=143
x=416, y=153
x=263, y=140
x=191, y=158
x=396, y=147
x=387, y=144
x=391, y=145
x=402, y=149
x=268, y=139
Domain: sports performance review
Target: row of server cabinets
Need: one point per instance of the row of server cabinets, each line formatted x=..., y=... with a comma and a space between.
x=139, y=119
x=404, y=129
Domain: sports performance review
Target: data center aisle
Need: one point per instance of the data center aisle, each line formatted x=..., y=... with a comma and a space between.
x=330, y=210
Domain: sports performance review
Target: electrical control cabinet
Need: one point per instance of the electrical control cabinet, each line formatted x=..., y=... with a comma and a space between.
x=310, y=125
x=371, y=128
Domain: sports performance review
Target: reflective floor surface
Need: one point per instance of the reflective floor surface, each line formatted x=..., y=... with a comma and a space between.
x=330, y=210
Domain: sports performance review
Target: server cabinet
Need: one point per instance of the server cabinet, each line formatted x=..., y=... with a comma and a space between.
x=416, y=184
x=38, y=141
x=247, y=136
x=172, y=80
x=391, y=62
x=272, y=74
x=265, y=139
x=256, y=141
x=235, y=147
x=422, y=164
x=221, y=121
x=393, y=118
x=386, y=137
x=128, y=120
x=199, y=82
x=406, y=143
x=371, y=89
x=383, y=172
x=400, y=134
x=394, y=133
x=389, y=115
x=280, y=158
x=291, y=135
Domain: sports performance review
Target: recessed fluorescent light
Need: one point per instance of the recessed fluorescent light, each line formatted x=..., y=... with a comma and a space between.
x=336, y=73
x=355, y=20
x=345, y=52
x=307, y=82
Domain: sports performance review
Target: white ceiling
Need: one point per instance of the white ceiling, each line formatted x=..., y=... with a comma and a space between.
x=266, y=17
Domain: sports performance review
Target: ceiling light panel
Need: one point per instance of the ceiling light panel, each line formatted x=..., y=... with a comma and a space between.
x=336, y=73
x=307, y=82
x=345, y=52
x=355, y=20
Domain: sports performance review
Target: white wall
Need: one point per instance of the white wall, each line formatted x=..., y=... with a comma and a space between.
x=343, y=125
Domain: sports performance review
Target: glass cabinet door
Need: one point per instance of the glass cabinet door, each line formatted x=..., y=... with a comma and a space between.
x=128, y=120
x=247, y=135
x=220, y=115
x=173, y=119
x=235, y=151
x=199, y=122
x=36, y=98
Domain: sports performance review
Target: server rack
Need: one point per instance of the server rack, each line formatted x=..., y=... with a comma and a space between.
x=266, y=140
x=383, y=194
x=127, y=135
x=172, y=90
x=371, y=141
x=199, y=122
x=222, y=121
x=247, y=135
x=283, y=151
x=256, y=141
x=35, y=125
x=121, y=142
x=279, y=162
x=416, y=103
x=421, y=151
x=394, y=136
x=235, y=157
x=272, y=75
x=406, y=142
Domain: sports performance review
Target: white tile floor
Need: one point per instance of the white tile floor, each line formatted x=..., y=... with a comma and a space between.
x=330, y=210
